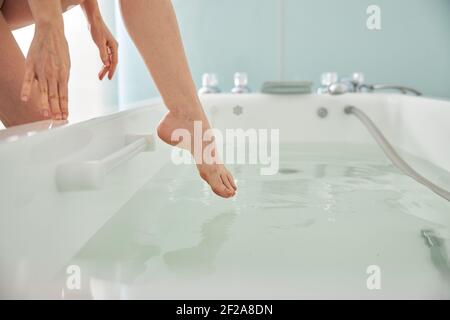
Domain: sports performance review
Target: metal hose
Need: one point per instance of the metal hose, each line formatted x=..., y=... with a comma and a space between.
x=390, y=152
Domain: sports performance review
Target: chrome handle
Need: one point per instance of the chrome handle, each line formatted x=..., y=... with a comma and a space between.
x=402, y=89
x=240, y=83
x=210, y=84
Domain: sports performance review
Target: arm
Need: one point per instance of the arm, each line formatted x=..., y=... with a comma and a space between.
x=46, y=12
x=91, y=11
x=48, y=59
x=102, y=37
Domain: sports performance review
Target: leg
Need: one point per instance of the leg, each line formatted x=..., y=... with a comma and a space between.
x=18, y=14
x=153, y=28
x=13, y=111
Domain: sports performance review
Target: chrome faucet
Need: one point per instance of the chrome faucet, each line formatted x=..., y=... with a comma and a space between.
x=332, y=85
x=402, y=89
x=344, y=85
x=326, y=80
x=240, y=83
x=210, y=84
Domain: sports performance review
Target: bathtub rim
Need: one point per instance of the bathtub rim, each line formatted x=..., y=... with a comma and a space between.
x=31, y=130
x=28, y=131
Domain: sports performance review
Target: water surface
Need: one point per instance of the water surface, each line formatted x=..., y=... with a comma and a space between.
x=310, y=231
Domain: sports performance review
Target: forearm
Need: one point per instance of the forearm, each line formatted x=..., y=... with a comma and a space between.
x=46, y=12
x=91, y=11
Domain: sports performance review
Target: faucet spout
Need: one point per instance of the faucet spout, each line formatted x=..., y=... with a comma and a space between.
x=402, y=89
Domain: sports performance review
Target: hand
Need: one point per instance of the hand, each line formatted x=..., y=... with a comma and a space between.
x=107, y=46
x=48, y=62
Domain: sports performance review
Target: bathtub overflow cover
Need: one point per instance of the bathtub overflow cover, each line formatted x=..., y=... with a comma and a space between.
x=322, y=112
x=238, y=110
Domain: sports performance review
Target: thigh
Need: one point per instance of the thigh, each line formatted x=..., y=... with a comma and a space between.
x=17, y=13
x=12, y=65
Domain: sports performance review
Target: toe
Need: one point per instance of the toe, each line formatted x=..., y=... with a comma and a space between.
x=222, y=192
x=219, y=187
x=226, y=182
x=219, y=181
x=231, y=180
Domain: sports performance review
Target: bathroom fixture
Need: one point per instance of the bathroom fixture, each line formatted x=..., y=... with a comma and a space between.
x=333, y=85
x=326, y=80
x=322, y=112
x=287, y=87
x=238, y=110
x=431, y=239
x=440, y=254
x=210, y=84
x=404, y=90
x=240, y=83
x=87, y=175
x=392, y=154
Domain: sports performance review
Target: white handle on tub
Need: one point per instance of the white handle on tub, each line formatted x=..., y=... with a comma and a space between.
x=91, y=174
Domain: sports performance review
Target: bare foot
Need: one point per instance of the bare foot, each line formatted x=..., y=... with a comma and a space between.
x=216, y=175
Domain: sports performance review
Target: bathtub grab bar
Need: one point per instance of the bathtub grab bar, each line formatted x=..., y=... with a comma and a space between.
x=390, y=152
x=91, y=174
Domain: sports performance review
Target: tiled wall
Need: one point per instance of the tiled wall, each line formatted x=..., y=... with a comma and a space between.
x=300, y=39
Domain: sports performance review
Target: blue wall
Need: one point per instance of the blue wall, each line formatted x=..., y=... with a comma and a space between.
x=300, y=39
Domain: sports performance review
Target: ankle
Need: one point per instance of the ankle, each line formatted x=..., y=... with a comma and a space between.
x=185, y=108
x=189, y=114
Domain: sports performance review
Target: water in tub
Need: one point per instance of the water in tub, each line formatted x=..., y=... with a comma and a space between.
x=337, y=221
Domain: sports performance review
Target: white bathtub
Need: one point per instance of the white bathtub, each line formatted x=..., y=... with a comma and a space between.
x=42, y=228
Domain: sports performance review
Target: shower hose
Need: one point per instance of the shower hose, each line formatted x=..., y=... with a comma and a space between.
x=390, y=152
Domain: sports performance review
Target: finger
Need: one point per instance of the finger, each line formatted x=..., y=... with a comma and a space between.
x=27, y=84
x=112, y=70
x=232, y=182
x=103, y=72
x=53, y=98
x=114, y=56
x=59, y=123
x=104, y=55
x=63, y=98
x=45, y=108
